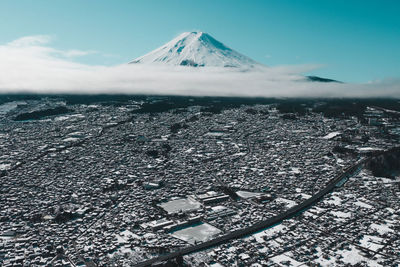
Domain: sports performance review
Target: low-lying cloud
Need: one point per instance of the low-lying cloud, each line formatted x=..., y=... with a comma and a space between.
x=29, y=64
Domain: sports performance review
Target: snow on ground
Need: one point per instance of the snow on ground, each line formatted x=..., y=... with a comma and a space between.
x=246, y=194
x=120, y=240
x=354, y=256
x=390, y=210
x=70, y=139
x=331, y=135
x=339, y=160
x=239, y=154
x=296, y=170
x=244, y=256
x=316, y=210
x=381, y=228
x=385, y=180
x=366, y=149
x=305, y=196
x=218, y=208
x=322, y=261
x=127, y=234
x=215, y=134
x=197, y=233
x=4, y=166
x=269, y=232
x=309, y=214
x=351, y=256
x=190, y=150
x=285, y=260
x=287, y=202
x=313, y=212
x=334, y=199
x=362, y=204
x=371, y=242
x=124, y=236
x=341, y=214
x=67, y=117
x=182, y=204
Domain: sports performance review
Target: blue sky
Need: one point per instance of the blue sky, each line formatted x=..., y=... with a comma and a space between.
x=356, y=41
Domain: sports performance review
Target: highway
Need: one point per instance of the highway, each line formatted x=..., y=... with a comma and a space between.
x=331, y=185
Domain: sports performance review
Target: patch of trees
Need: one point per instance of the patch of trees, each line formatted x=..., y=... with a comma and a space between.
x=166, y=148
x=114, y=187
x=213, y=105
x=176, y=262
x=102, y=99
x=342, y=150
x=341, y=108
x=289, y=116
x=36, y=218
x=193, y=118
x=65, y=216
x=36, y=115
x=387, y=165
x=154, y=153
x=251, y=111
x=177, y=126
x=293, y=106
x=211, y=110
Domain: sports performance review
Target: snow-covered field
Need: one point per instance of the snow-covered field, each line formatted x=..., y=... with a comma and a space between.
x=198, y=233
x=285, y=260
x=246, y=194
x=181, y=204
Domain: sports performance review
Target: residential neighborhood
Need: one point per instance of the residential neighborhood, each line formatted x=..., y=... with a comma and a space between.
x=107, y=185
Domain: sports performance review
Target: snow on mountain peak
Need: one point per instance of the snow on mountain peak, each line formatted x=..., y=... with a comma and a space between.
x=196, y=49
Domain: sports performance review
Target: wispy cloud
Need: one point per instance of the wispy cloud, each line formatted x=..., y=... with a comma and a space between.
x=77, y=53
x=31, y=41
x=29, y=64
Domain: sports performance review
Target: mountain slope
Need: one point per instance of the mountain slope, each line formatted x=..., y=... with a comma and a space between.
x=196, y=49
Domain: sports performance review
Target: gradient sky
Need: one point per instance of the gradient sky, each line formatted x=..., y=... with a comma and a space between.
x=355, y=40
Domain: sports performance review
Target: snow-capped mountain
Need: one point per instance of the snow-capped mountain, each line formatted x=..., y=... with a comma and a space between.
x=196, y=49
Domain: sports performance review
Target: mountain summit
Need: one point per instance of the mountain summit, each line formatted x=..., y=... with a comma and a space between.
x=196, y=49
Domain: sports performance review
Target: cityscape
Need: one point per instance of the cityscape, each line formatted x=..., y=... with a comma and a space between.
x=119, y=183
x=170, y=133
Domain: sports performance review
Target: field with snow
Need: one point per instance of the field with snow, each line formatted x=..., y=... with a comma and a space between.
x=197, y=233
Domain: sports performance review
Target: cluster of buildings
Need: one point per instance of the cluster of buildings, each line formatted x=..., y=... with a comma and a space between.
x=106, y=185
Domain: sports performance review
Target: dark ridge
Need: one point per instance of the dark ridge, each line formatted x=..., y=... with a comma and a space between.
x=36, y=115
x=322, y=80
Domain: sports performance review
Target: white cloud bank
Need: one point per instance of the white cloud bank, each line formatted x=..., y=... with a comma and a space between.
x=29, y=64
